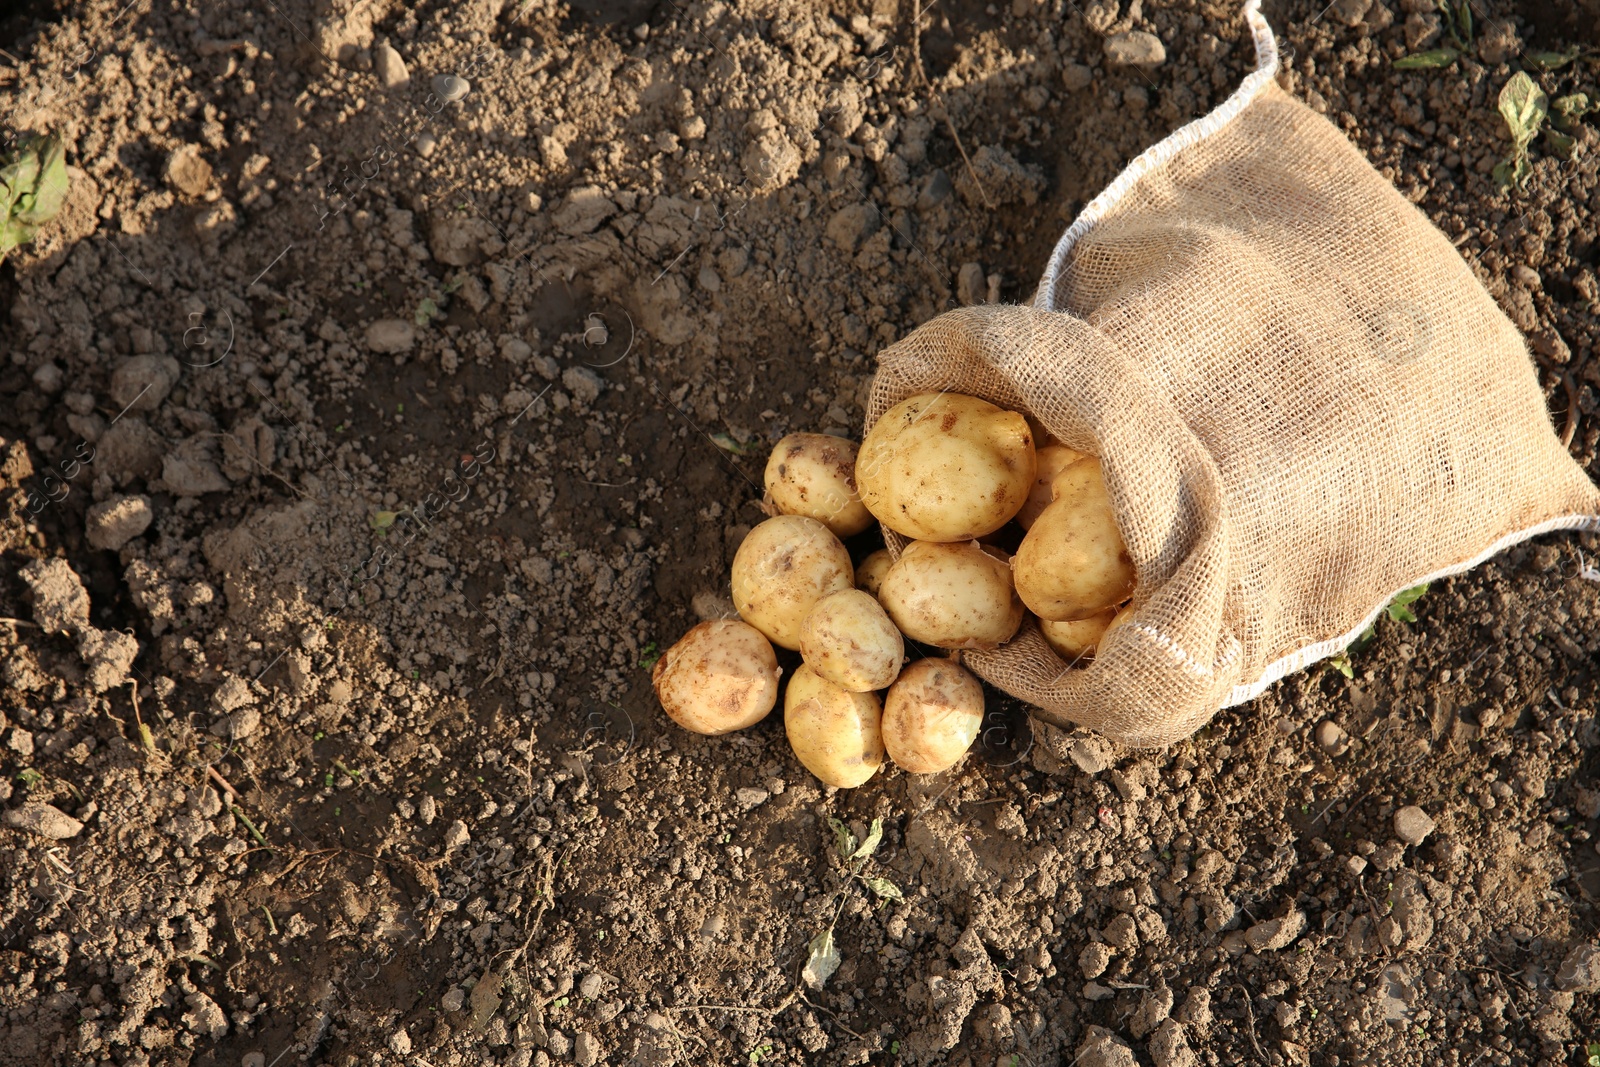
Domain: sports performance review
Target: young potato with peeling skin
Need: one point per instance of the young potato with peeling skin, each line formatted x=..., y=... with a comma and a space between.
x=945, y=467
x=931, y=716
x=1052, y=460
x=719, y=677
x=1077, y=639
x=1073, y=564
x=813, y=474
x=782, y=569
x=952, y=595
x=870, y=572
x=836, y=734
x=848, y=639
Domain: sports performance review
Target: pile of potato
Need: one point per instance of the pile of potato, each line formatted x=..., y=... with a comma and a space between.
x=961, y=478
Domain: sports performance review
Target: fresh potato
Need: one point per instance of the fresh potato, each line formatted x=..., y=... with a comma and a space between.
x=814, y=474
x=869, y=575
x=931, y=716
x=836, y=734
x=782, y=569
x=1077, y=639
x=848, y=640
x=720, y=676
x=1052, y=460
x=946, y=467
x=1073, y=564
x=951, y=595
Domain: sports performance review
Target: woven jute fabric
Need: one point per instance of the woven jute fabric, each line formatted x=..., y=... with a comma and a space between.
x=1303, y=399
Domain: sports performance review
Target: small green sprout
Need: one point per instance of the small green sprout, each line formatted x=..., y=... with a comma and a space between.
x=1524, y=106
x=648, y=655
x=29, y=777
x=33, y=188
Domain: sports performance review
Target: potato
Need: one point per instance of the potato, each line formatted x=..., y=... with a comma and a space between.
x=1073, y=564
x=1052, y=460
x=837, y=735
x=951, y=595
x=870, y=572
x=848, y=640
x=814, y=474
x=720, y=676
x=785, y=566
x=931, y=716
x=946, y=467
x=1076, y=640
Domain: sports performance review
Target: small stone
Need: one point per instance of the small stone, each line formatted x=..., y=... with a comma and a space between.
x=1498, y=42
x=1169, y=1047
x=584, y=209
x=187, y=172
x=752, y=798
x=391, y=336
x=1331, y=738
x=400, y=1043
x=427, y=809
x=1102, y=1048
x=1412, y=825
x=584, y=384
x=970, y=284
x=454, y=999
x=44, y=820
x=190, y=470
x=1274, y=934
x=1135, y=48
x=586, y=1049
x=450, y=87
x=1350, y=12
x=1154, y=1007
x=238, y=725
x=427, y=143
x=1527, y=276
x=593, y=985
x=1580, y=970
x=204, y=1017
x=456, y=835
x=390, y=68
x=1422, y=30
x=48, y=378
x=60, y=602
x=1096, y=991
x=1355, y=865
x=232, y=694
x=112, y=523
x=253, y=1059
x=1094, y=959
x=1090, y=754
x=141, y=383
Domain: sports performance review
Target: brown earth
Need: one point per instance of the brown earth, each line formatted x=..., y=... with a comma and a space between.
x=406, y=795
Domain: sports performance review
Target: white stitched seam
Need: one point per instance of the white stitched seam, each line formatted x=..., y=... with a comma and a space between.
x=1165, y=149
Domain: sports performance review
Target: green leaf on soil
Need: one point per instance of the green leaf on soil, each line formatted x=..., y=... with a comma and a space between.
x=1523, y=105
x=870, y=845
x=648, y=655
x=884, y=889
x=33, y=187
x=426, y=311
x=1399, y=608
x=1567, y=110
x=1564, y=145
x=382, y=520
x=843, y=840
x=1430, y=60
x=1340, y=661
x=823, y=960
x=1513, y=171
x=1553, y=60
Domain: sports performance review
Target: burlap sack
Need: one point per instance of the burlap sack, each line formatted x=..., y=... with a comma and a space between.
x=1304, y=401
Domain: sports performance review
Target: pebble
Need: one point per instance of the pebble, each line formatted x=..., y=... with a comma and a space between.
x=1135, y=48
x=583, y=383
x=44, y=820
x=586, y=1049
x=1096, y=991
x=453, y=999
x=112, y=523
x=49, y=378
x=141, y=383
x=1090, y=754
x=1102, y=1048
x=1169, y=1047
x=752, y=798
x=187, y=171
x=253, y=1059
x=456, y=835
x=1094, y=959
x=426, y=144
x=1580, y=970
x=400, y=1043
x=233, y=694
x=1527, y=276
x=390, y=336
x=1076, y=76
x=1274, y=934
x=391, y=69
x=1331, y=738
x=970, y=284
x=1412, y=825
x=450, y=87
x=1356, y=865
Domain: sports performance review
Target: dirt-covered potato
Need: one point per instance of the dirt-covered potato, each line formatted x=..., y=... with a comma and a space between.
x=1076, y=640
x=720, y=676
x=870, y=572
x=785, y=566
x=1052, y=460
x=1073, y=564
x=946, y=467
x=813, y=474
x=848, y=640
x=951, y=595
x=931, y=716
x=836, y=734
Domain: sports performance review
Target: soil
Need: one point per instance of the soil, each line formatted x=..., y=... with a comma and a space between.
x=362, y=441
